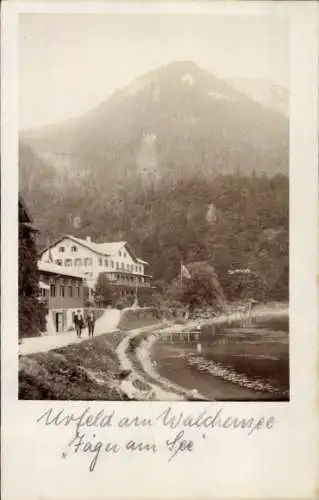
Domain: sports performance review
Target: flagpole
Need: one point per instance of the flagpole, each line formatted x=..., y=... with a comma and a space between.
x=181, y=275
x=49, y=250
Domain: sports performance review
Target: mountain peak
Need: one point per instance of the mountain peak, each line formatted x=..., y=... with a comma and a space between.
x=183, y=66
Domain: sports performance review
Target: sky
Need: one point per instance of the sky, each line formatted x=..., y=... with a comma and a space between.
x=70, y=63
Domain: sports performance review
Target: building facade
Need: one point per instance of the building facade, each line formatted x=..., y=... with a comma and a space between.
x=124, y=270
x=62, y=290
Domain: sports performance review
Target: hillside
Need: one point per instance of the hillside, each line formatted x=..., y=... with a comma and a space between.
x=171, y=122
x=179, y=163
x=263, y=91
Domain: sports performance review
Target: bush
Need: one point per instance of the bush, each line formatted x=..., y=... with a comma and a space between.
x=103, y=294
x=84, y=371
x=120, y=305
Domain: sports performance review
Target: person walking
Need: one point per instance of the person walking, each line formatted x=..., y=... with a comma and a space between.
x=78, y=323
x=91, y=323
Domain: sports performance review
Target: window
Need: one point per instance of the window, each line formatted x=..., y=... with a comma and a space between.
x=74, y=249
x=106, y=263
x=117, y=265
x=78, y=262
x=68, y=262
x=122, y=265
x=124, y=254
x=78, y=291
x=58, y=262
x=132, y=267
x=88, y=262
x=70, y=291
x=128, y=267
x=61, y=249
x=52, y=290
x=120, y=253
x=62, y=290
x=112, y=263
x=100, y=262
x=41, y=277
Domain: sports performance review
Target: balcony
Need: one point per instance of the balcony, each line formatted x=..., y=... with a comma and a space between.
x=145, y=284
x=129, y=279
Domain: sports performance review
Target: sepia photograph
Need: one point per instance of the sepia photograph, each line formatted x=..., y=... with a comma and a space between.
x=153, y=207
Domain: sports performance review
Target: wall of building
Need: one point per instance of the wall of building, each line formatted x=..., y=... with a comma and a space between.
x=90, y=270
x=69, y=291
x=61, y=320
x=62, y=303
x=122, y=261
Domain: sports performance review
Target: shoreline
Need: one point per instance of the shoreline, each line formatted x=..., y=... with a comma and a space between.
x=146, y=360
x=162, y=394
x=162, y=388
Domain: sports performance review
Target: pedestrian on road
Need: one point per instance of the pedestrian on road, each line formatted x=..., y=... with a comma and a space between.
x=78, y=323
x=91, y=323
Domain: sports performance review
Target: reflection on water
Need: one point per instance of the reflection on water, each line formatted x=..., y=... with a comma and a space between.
x=236, y=363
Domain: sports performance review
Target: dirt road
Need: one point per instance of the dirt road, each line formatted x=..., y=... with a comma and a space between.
x=107, y=323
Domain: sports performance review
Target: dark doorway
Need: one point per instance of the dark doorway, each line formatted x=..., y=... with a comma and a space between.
x=58, y=322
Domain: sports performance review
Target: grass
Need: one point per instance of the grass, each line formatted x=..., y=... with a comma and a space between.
x=85, y=371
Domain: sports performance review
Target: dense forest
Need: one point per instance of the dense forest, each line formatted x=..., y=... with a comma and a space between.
x=232, y=222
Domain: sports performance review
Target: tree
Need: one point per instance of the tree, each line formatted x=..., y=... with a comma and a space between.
x=203, y=288
x=244, y=286
x=86, y=296
x=32, y=312
x=102, y=293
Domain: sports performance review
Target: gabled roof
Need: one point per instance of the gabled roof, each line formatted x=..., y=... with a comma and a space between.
x=107, y=249
x=24, y=214
x=102, y=248
x=141, y=261
x=49, y=267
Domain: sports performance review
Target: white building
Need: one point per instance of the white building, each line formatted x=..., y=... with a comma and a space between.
x=117, y=260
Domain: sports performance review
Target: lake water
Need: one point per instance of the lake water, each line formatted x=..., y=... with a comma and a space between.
x=255, y=358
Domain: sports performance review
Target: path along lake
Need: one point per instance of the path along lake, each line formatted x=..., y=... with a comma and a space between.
x=236, y=363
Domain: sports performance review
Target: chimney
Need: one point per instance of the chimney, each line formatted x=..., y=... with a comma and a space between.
x=88, y=239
